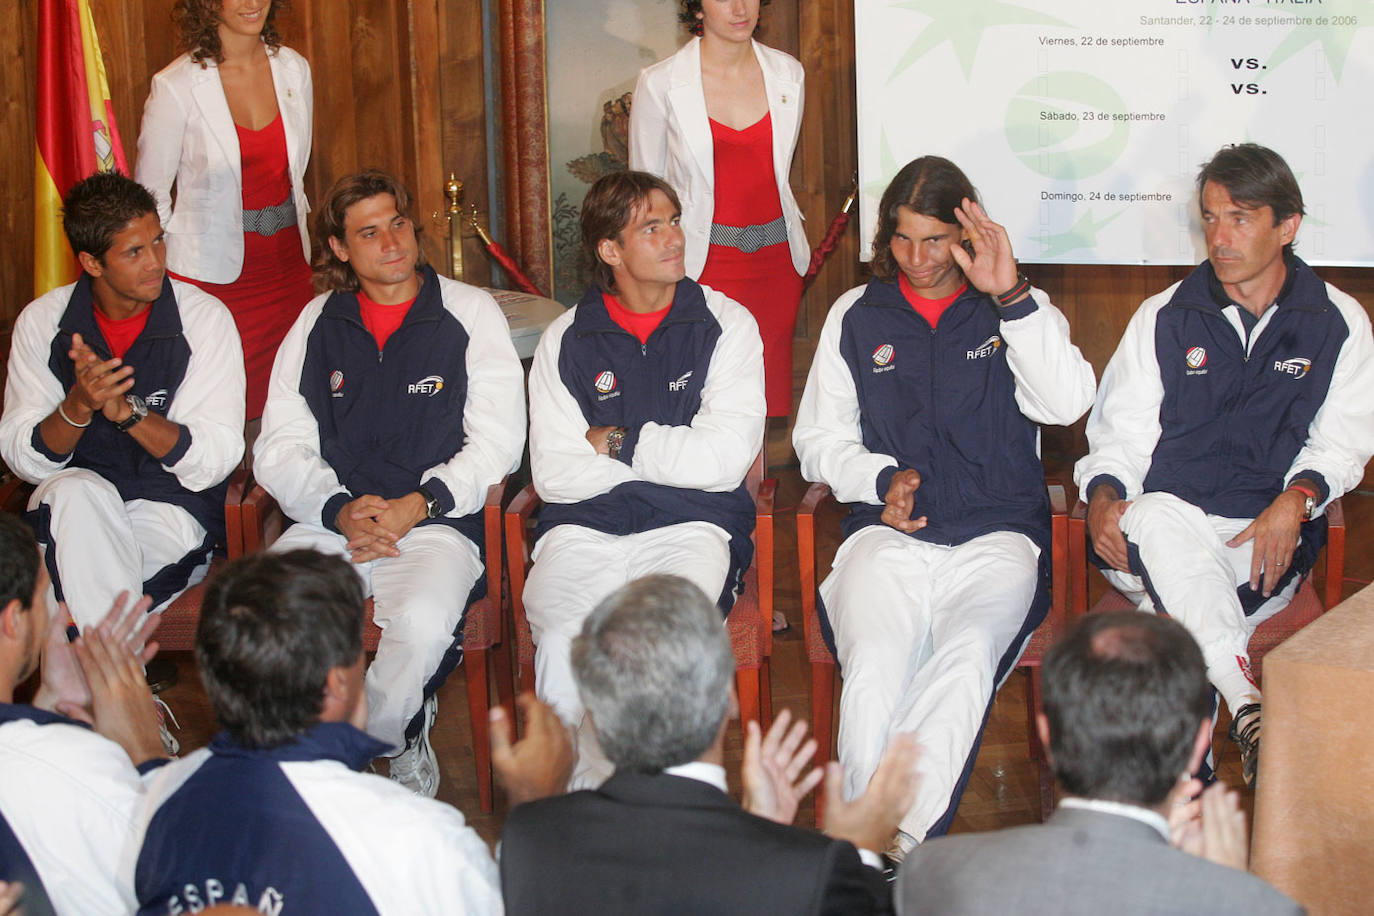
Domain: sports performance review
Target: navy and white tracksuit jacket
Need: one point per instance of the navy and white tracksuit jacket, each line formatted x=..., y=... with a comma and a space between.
x=692, y=400
x=889, y=392
x=441, y=406
x=188, y=368
x=1190, y=407
x=296, y=829
x=68, y=801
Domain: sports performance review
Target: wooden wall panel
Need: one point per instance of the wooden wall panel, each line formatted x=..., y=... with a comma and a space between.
x=389, y=74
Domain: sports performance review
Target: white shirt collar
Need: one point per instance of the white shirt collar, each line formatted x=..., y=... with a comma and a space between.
x=710, y=773
x=1135, y=812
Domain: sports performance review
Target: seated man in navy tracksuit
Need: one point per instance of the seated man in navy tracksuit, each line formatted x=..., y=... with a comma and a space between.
x=124, y=404
x=1236, y=407
x=646, y=411
x=921, y=411
x=395, y=402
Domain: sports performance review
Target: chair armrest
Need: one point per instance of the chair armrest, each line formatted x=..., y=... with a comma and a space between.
x=263, y=519
x=492, y=543
x=1335, y=553
x=233, y=514
x=518, y=515
x=763, y=559
x=1060, y=599
x=817, y=495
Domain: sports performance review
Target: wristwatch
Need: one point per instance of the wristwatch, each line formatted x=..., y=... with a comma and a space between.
x=139, y=408
x=431, y=501
x=614, y=440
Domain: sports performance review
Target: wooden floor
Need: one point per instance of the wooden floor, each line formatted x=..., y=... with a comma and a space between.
x=1003, y=790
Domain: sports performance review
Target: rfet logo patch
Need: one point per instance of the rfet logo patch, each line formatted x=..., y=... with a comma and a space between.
x=1297, y=366
x=883, y=355
x=1196, y=357
x=985, y=349
x=605, y=382
x=336, y=380
x=428, y=386
x=157, y=399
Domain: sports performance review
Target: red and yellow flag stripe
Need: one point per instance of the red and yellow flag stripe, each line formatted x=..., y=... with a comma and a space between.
x=76, y=129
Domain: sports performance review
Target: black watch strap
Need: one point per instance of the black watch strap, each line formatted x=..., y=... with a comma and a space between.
x=431, y=501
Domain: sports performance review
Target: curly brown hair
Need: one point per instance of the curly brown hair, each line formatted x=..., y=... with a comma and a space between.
x=199, y=22
x=691, y=13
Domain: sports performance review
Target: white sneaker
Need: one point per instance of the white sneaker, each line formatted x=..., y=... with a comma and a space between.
x=417, y=768
x=164, y=712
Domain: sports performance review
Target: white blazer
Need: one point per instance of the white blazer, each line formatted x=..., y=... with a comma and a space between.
x=188, y=136
x=670, y=136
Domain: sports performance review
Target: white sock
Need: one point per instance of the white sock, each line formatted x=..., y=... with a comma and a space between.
x=1232, y=678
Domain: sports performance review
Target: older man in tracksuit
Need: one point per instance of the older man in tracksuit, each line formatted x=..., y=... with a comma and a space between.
x=921, y=411
x=646, y=411
x=1236, y=407
x=395, y=402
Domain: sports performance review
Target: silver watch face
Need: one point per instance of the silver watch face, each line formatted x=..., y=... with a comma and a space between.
x=136, y=404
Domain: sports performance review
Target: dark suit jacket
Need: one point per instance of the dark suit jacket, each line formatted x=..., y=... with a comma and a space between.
x=668, y=844
x=1079, y=861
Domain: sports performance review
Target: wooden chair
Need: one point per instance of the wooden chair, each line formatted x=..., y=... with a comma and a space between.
x=177, y=632
x=263, y=521
x=1305, y=607
x=823, y=665
x=750, y=621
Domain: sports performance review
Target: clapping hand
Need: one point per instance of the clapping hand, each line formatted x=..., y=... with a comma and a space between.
x=773, y=765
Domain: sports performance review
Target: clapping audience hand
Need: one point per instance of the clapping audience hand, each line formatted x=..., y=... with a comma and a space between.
x=122, y=706
x=64, y=688
x=539, y=764
x=772, y=769
x=1219, y=835
x=870, y=821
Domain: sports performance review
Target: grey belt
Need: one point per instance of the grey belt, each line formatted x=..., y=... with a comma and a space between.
x=268, y=221
x=750, y=239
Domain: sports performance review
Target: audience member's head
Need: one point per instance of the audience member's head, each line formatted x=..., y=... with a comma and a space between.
x=930, y=186
x=280, y=645
x=23, y=592
x=654, y=667
x=362, y=217
x=613, y=204
x=1124, y=696
x=99, y=207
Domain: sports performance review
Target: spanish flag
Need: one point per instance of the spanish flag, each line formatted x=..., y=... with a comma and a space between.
x=75, y=126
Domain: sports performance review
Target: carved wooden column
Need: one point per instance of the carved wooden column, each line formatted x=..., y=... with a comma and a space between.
x=524, y=137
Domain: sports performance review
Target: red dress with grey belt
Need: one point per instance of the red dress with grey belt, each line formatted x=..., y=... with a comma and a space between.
x=275, y=283
x=749, y=259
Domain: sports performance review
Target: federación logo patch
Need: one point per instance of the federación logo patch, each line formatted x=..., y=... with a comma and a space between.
x=1296, y=366
x=883, y=355
x=985, y=349
x=336, y=380
x=428, y=386
x=1196, y=357
x=605, y=382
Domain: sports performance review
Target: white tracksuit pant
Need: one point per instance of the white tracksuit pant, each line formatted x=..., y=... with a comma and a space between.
x=417, y=600
x=574, y=569
x=919, y=631
x=1195, y=576
x=104, y=546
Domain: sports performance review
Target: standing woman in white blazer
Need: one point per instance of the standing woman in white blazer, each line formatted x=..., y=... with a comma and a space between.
x=719, y=122
x=229, y=122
